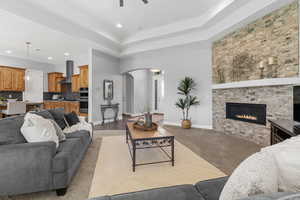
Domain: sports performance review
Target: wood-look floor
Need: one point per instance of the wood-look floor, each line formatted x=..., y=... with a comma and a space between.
x=223, y=151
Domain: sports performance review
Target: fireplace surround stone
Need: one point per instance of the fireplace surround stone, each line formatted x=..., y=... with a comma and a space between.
x=278, y=100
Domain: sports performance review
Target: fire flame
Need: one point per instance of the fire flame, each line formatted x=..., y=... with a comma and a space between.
x=250, y=117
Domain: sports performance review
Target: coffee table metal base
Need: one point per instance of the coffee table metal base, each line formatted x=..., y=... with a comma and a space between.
x=147, y=143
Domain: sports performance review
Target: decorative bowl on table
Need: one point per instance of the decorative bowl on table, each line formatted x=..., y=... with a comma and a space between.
x=142, y=126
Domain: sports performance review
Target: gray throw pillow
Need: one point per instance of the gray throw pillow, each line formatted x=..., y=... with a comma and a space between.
x=72, y=118
x=59, y=117
x=60, y=134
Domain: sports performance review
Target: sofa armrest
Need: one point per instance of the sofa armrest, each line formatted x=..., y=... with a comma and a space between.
x=211, y=189
x=101, y=198
x=83, y=120
x=26, y=167
x=180, y=192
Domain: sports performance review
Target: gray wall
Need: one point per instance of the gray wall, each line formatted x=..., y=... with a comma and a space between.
x=142, y=90
x=103, y=66
x=28, y=64
x=192, y=60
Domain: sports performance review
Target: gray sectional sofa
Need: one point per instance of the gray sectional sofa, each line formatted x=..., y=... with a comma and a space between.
x=34, y=167
x=203, y=190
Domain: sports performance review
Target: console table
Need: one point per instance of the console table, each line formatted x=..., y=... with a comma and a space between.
x=283, y=129
x=114, y=107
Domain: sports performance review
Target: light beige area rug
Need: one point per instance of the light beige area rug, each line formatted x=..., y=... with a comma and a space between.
x=113, y=173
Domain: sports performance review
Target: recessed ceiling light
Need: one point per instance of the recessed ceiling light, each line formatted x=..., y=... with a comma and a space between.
x=8, y=51
x=50, y=58
x=118, y=25
x=66, y=54
x=155, y=70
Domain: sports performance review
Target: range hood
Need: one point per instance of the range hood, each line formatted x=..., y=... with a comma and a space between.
x=69, y=72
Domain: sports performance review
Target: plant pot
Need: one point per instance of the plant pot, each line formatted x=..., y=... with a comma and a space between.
x=186, y=124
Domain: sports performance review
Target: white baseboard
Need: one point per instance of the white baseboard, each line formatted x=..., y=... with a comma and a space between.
x=193, y=125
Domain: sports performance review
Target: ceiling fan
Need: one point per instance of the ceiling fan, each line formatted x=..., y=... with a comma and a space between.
x=122, y=2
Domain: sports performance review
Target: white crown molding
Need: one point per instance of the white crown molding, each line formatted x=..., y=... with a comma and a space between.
x=212, y=25
x=243, y=15
x=180, y=26
x=41, y=16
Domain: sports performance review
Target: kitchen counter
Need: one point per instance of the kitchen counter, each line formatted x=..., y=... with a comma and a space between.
x=68, y=106
x=30, y=106
x=27, y=103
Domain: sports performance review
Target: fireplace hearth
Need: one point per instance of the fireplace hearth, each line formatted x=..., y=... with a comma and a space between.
x=252, y=113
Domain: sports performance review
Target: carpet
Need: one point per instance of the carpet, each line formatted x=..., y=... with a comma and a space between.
x=113, y=172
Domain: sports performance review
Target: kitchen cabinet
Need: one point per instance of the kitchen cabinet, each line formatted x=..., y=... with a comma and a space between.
x=53, y=104
x=84, y=76
x=12, y=79
x=75, y=82
x=68, y=106
x=71, y=106
x=54, y=79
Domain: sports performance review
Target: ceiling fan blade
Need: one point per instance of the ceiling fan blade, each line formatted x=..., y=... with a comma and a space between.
x=145, y=1
x=121, y=3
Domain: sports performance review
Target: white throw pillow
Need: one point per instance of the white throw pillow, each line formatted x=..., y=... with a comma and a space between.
x=288, y=162
x=255, y=175
x=38, y=129
x=286, y=155
x=82, y=125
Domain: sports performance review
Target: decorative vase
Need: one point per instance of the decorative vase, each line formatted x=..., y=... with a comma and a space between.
x=186, y=124
x=148, y=120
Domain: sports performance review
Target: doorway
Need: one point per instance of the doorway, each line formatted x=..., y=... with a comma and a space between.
x=143, y=91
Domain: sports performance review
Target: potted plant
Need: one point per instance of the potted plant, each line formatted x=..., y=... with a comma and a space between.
x=185, y=88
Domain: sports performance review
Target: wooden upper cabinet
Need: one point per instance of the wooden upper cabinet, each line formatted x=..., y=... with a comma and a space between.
x=54, y=79
x=12, y=79
x=75, y=82
x=19, y=82
x=84, y=76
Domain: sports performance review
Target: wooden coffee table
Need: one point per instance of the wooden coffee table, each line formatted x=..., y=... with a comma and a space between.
x=137, y=139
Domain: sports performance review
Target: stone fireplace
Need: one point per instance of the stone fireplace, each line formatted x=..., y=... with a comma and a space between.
x=275, y=101
x=254, y=69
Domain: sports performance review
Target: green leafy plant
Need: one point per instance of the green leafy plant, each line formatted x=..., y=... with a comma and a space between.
x=185, y=88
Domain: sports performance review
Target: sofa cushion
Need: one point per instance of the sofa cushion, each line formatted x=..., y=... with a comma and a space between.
x=59, y=116
x=67, y=154
x=181, y=192
x=211, y=189
x=82, y=134
x=45, y=113
x=10, y=130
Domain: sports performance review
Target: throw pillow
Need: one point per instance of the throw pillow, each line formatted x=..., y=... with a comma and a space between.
x=256, y=175
x=83, y=125
x=72, y=118
x=38, y=129
x=287, y=159
x=59, y=117
x=60, y=134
